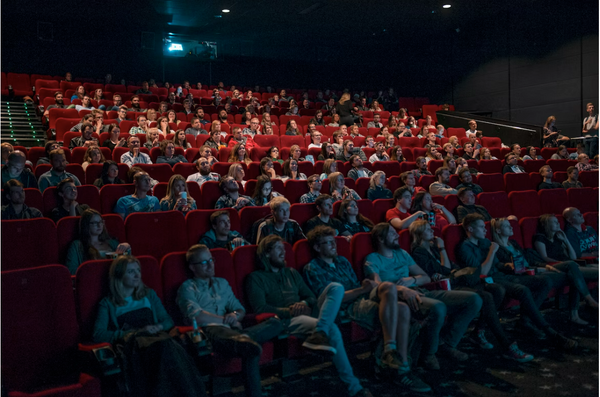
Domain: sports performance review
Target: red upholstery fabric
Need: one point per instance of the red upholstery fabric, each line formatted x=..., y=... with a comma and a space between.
x=496, y=203
x=490, y=166
x=525, y=203
x=491, y=182
x=198, y=223
x=28, y=243
x=380, y=207
x=360, y=247
x=110, y=194
x=553, y=201
x=210, y=194
x=585, y=199
x=303, y=212
x=453, y=235
x=517, y=182
x=249, y=215
x=167, y=233
x=160, y=172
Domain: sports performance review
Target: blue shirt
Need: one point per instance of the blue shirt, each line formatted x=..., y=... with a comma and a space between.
x=389, y=269
x=319, y=274
x=129, y=204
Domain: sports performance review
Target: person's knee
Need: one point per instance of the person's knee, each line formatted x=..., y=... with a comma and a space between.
x=387, y=290
x=438, y=311
x=335, y=289
x=474, y=302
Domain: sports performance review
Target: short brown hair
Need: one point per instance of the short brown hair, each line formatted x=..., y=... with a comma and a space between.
x=193, y=250
x=316, y=235
x=215, y=215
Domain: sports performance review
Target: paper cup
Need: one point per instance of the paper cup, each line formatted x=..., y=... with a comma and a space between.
x=530, y=272
x=445, y=284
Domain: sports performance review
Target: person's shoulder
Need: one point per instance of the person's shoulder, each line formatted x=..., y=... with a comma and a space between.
x=373, y=257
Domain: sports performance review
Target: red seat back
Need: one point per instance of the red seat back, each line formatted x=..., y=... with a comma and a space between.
x=380, y=207
x=453, y=235
x=156, y=233
x=303, y=212
x=210, y=193
x=490, y=166
x=524, y=203
x=491, y=182
x=198, y=223
x=28, y=243
x=249, y=215
x=585, y=199
x=110, y=194
x=360, y=247
x=529, y=227
x=496, y=203
x=588, y=178
x=517, y=182
x=160, y=172
x=553, y=201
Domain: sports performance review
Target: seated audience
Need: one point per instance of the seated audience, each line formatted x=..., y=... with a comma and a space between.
x=92, y=156
x=15, y=169
x=290, y=171
x=139, y=201
x=377, y=188
x=94, y=242
x=203, y=174
x=583, y=238
x=220, y=235
x=109, y=175
x=273, y=154
x=364, y=302
x=57, y=173
x=152, y=139
x=430, y=253
x=163, y=127
x=466, y=180
x=296, y=154
x=421, y=164
x=181, y=141
x=266, y=168
x=512, y=165
x=432, y=141
x=214, y=142
x=254, y=128
x=335, y=121
x=390, y=263
x=531, y=154
x=409, y=180
x=338, y=189
x=441, y=187
x=348, y=151
x=486, y=154
x=572, y=179
x=450, y=163
x=561, y=154
x=580, y=149
x=263, y=192
x=168, y=156
x=470, y=153
x=132, y=315
x=327, y=152
x=399, y=216
x=134, y=155
x=436, y=214
x=177, y=197
x=314, y=186
x=280, y=223
x=231, y=197
x=14, y=193
x=50, y=146
x=66, y=198
x=546, y=174
x=380, y=153
x=113, y=140
x=239, y=154
x=142, y=127
x=433, y=154
x=86, y=139
x=87, y=119
x=584, y=163
x=324, y=204
x=477, y=252
x=352, y=220
x=315, y=137
x=236, y=171
x=292, y=128
x=453, y=140
x=358, y=170
x=396, y=154
x=195, y=128
x=206, y=152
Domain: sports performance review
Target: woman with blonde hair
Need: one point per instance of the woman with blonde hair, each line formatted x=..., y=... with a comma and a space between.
x=335, y=121
x=151, y=115
x=552, y=136
x=93, y=155
x=266, y=119
x=344, y=109
x=236, y=171
x=338, y=189
x=177, y=196
x=292, y=128
x=377, y=189
x=375, y=106
x=453, y=140
x=486, y=154
x=329, y=166
x=238, y=154
x=352, y=220
x=449, y=149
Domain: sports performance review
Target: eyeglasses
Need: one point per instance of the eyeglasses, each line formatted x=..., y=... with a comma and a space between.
x=204, y=263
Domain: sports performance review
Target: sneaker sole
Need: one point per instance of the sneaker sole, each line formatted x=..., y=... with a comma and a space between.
x=320, y=348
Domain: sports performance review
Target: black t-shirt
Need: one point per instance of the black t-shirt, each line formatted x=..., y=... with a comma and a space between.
x=551, y=185
x=333, y=223
x=59, y=212
x=554, y=249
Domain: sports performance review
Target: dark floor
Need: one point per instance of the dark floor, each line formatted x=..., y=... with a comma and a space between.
x=552, y=373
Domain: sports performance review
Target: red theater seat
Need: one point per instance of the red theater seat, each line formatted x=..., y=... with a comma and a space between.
x=585, y=199
x=168, y=233
x=553, y=201
x=517, y=182
x=496, y=203
x=380, y=207
x=198, y=223
x=249, y=215
x=110, y=194
x=453, y=235
x=303, y=212
x=28, y=243
x=491, y=182
x=525, y=203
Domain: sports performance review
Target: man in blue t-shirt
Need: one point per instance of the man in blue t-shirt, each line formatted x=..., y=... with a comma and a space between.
x=583, y=238
x=139, y=201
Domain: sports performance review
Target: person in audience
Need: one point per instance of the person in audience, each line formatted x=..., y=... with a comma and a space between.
x=273, y=154
x=390, y=140
x=486, y=154
x=584, y=163
x=314, y=186
x=421, y=164
x=134, y=155
x=14, y=193
x=327, y=152
x=163, y=127
x=220, y=235
x=430, y=253
x=133, y=312
x=66, y=198
x=142, y=127
x=583, y=238
x=263, y=192
x=352, y=220
x=324, y=204
x=369, y=142
x=377, y=188
x=266, y=119
x=318, y=118
x=474, y=141
x=450, y=163
x=399, y=216
x=375, y=107
x=466, y=196
x=290, y=171
x=532, y=154
x=572, y=179
x=396, y=154
x=144, y=90
x=552, y=136
x=254, y=128
x=214, y=142
x=546, y=174
x=472, y=128
x=433, y=154
x=151, y=116
x=187, y=105
x=366, y=303
x=469, y=152
x=109, y=175
x=200, y=115
x=453, y=140
x=380, y=153
x=86, y=104
x=139, y=201
x=238, y=154
x=390, y=263
x=296, y=153
x=348, y=151
x=231, y=197
x=58, y=104
x=94, y=242
x=180, y=140
x=86, y=138
x=409, y=180
x=122, y=114
x=292, y=128
x=376, y=123
x=280, y=224
x=338, y=189
x=580, y=149
x=177, y=197
x=57, y=173
x=512, y=253
x=135, y=105
x=315, y=136
x=113, y=140
x=512, y=165
x=168, y=155
x=276, y=288
x=358, y=170
x=266, y=168
x=561, y=154
x=442, y=186
x=477, y=252
x=204, y=174
x=236, y=171
x=210, y=301
x=466, y=180
x=436, y=214
x=50, y=146
x=172, y=117
x=92, y=156
x=14, y=168
x=117, y=103
x=195, y=128
x=238, y=138
x=206, y=152
x=354, y=131
x=335, y=121
x=432, y=141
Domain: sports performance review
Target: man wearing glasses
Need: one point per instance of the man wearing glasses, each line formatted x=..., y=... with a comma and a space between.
x=254, y=128
x=122, y=115
x=210, y=301
x=314, y=184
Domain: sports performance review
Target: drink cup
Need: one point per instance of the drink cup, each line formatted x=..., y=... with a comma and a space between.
x=530, y=272
x=445, y=284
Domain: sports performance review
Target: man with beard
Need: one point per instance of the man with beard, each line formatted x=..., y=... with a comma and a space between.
x=231, y=197
x=58, y=103
x=57, y=173
x=442, y=186
x=203, y=174
x=86, y=104
x=86, y=139
x=220, y=235
x=135, y=105
x=275, y=288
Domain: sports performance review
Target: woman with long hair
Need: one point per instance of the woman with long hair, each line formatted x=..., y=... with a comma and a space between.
x=263, y=192
x=109, y=175
x=179, y=140
x=266, y=168
x=172, y=117
x=175, y=199
x=296, y=153
x=450, y=163
x=352, y=220
x=396, y=154
x=437, y=214
x=94, y=242
x=335, y=121
x=553, y=246
x=552, y=136
x=375, y=106
x=318, y=119
x=163, y=126
x=561, y=154
x=430, y=253
x=338, y=189
x=236, y=171
x=79, y=93
x=290, y=171
x=433, y=154
x=93, y=155
x=486, y=154
x=66, y=198
x=273, y=154
x=238, y=154
x=531, y=154
x=327, y=152
x=345, y=110
x=292, y=128
x=453, y=140
x=329, y=166
x=151, y=116
x=132, y=315
x=266, y=119
x=113, y=140
x=377, y=188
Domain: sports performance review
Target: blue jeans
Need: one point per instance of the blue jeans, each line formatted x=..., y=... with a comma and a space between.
x=329, y=305
x=460, y=307
x=575, y=277
x=591, y=146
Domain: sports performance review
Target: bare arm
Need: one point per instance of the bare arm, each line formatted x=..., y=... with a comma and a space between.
x=444, y=260
x=541, y=249
x=447, y=214
x=400, y=224
x=570, y=251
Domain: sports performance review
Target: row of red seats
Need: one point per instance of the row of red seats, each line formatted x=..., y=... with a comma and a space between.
x=173, y=230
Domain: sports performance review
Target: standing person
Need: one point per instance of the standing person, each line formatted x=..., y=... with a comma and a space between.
x=210, y=301
x=132, y=314
x=345, y=109
x=590, y=131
